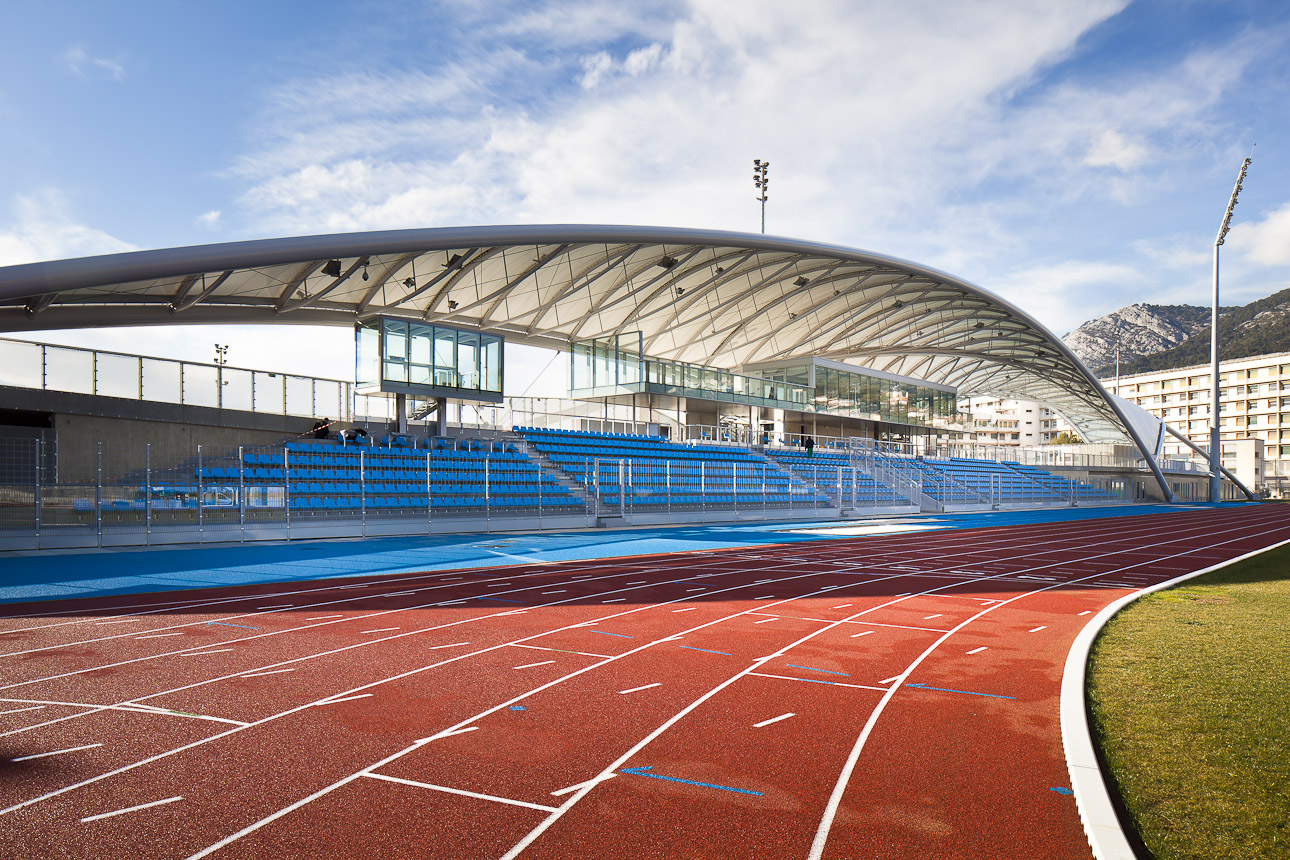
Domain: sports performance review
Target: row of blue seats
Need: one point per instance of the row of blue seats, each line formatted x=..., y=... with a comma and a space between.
x=347, y=503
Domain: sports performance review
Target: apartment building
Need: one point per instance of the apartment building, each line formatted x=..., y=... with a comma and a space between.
x=1254, y=405
x=1018, y=423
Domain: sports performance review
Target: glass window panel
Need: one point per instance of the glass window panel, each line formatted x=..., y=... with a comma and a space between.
x=201, y=385
x=20, y=364
x=445, y=357
x=396, y=340
x=395, y=371
x=269, y=392
x=161, y=381
x=237, y=390
x=367, y=369
x=300, y=395
x=580, y=366
x=491, y=363
x=69, y=370
x=467, y=360
x=118, y=376
x=419, y=345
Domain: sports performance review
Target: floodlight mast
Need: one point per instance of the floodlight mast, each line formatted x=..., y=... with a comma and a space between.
x=762, y=182
x=1215, y=445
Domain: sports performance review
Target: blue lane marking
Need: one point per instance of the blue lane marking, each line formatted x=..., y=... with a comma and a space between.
x=813, y=669
x=515, y=708
x=706, y=651
x=1062, y=790
x=222, y=624
x=502, y=599
x=965, y=692
x=606, y=633
x=640, y=771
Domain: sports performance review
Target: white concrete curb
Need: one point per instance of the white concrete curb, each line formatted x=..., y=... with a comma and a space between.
x=1092, y=796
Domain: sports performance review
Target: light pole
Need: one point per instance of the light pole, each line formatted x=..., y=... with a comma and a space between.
x=221, y=359
x=762, y=182
x=1215, y=446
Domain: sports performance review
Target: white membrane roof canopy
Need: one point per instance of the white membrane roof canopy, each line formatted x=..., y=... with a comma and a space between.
x=707, y=297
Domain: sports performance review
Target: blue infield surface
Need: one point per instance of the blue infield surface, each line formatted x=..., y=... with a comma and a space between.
x=100, y=572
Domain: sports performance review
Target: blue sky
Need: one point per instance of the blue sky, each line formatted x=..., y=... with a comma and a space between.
x=1073, y=157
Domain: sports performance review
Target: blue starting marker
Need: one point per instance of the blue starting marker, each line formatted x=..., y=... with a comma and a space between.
x=964, y=692
x=641, y=771
x=225, y=624
x=515, y=708
x=1061, y=790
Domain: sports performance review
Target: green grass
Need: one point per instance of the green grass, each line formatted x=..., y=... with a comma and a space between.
x=1190, y=698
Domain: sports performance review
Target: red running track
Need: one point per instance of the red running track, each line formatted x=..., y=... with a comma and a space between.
x=885, y=697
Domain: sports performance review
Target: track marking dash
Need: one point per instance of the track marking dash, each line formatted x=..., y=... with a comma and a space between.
x=55, y=752
x=765, y=723
x=103, y=815
x=473, y=794
x=638, y=689
x=977, y=650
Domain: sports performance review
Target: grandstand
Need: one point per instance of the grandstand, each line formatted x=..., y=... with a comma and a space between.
x=703, y=367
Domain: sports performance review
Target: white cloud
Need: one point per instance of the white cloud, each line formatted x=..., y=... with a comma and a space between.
x=84, y=64
x=1265, y=242
x=1112, y=149
x=209, y=220
x=1056, y=293
x=42, y=229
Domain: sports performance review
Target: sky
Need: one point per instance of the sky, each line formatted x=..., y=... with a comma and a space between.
x=1072, y=157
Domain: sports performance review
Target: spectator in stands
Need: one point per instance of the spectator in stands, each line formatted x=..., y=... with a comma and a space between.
x=353, y=434
x=809, y=442
x=322, y=428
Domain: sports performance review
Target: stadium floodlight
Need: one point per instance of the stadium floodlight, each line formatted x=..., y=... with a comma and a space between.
x=762, y=183
x=1215, y=445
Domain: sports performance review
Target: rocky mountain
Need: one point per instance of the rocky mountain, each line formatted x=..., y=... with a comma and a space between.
x=1161, y=337
x=1142, y=330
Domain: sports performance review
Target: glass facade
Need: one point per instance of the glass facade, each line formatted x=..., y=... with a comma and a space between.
x=611, y=366
x=395, y=355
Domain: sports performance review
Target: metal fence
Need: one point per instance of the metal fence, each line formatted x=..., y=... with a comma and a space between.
x=164, y=380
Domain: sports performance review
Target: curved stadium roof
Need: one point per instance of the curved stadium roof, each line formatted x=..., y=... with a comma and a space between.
x=701, y=296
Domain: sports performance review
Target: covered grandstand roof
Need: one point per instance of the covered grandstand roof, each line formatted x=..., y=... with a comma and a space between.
x=701, y=296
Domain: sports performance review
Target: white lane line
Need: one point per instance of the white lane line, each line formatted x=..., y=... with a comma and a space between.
x=696, y=589
x=381, y=630
x=765, y=621
x=345, y=699
x=89, y=818
x=278, y=606
x=1037, y=629
x=1087, y=612
x=813, y=681
x=637, y=582
x=531, y=665
x=557, y=591
x=686, y=609
x=160, y=635
x=930, y=617
x=321, y=617
x=491, y=797
x=401, y=593
x=843, y=605
x=561, y=650
x=590, y=782
x=453, y=645
x=55, y=752
x=889, y=680
x=270, y=672
x=201, y=653
x=447, y=733
x=21, y=710
x=490, y=585
x=614, y=600
x=764, y=597
x=120, y=621
x=854, y=635
x=638, y=689
x=976, y=650
x=765, y=723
